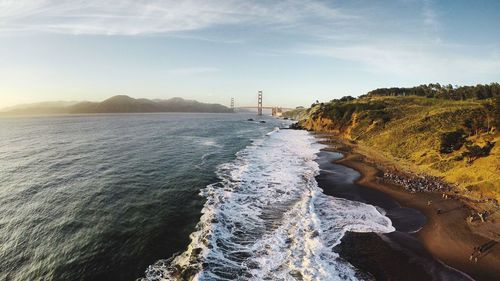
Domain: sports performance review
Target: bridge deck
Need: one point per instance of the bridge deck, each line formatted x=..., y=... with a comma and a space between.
x=266, y=107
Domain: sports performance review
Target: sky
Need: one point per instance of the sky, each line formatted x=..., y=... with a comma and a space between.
x=296, y=51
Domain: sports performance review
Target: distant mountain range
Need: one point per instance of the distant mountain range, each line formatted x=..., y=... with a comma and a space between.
x=116, y=104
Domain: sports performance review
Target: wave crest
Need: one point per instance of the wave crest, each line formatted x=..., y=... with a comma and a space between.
x=267, y=219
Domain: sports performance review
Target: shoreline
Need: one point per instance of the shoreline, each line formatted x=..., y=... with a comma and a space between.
x=446, y=236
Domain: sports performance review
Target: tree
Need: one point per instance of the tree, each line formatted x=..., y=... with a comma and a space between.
x=490, y=112
x=497, y=112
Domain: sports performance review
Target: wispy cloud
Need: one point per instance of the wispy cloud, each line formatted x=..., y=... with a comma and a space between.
x=431, y=22
x=409, y=60
x=132, y=17
x=379, y=38
x=429, y=14
x=193, y=70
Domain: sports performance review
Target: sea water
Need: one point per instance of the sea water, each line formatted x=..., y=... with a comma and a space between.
x=267, y=219
x=168, y=196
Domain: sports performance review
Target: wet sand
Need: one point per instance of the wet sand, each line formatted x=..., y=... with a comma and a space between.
x=393, y=256
x=446, y=236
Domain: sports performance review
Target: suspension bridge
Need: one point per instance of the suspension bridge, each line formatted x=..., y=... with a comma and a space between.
x=275, y=110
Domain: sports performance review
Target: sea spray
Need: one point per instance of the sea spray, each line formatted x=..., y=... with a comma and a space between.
x=267, y=219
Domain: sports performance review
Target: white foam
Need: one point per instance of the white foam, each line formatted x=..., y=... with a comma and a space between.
x=203, y=141
x=209, y=142
x=204, y=159
x=276, y=129
x=268, y=220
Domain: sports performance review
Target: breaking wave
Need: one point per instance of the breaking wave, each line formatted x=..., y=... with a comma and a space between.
x=267, y=219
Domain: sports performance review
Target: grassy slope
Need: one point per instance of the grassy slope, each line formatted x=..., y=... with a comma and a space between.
x=408, y=130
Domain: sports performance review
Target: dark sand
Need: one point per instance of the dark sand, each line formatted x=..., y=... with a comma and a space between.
x=395, y=256
x=446, y=236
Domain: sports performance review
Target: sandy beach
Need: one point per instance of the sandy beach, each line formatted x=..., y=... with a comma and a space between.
x=447, y=237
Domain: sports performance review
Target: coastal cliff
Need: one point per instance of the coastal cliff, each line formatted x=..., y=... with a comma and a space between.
x=456, y=140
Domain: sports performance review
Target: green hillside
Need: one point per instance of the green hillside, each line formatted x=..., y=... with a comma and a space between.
x=453, y=139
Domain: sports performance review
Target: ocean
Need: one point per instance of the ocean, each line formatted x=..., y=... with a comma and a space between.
x=169, y=196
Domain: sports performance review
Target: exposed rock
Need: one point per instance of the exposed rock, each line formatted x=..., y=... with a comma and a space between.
x=296, y=126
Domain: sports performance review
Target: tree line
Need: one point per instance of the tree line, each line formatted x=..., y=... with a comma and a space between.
x=450, y=92
x=488, y=94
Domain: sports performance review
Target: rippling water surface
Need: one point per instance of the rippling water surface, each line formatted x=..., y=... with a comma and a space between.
x=267, y=219
x=101, y=197
x=169, y=197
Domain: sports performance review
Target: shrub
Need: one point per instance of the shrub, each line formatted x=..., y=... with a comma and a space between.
x=475, y=151
x=347, y=98
x=451, y=141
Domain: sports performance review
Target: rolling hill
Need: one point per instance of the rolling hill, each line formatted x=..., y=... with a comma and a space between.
x=117, y=104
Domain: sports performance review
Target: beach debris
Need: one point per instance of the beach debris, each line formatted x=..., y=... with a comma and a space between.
x=481, y=251
x=418, y=183
x=481, y=216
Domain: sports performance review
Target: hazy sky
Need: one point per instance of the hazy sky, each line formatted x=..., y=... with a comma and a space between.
x=297, y=51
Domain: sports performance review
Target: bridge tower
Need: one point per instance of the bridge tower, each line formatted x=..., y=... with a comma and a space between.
x=232, y=104
x=259, y=103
